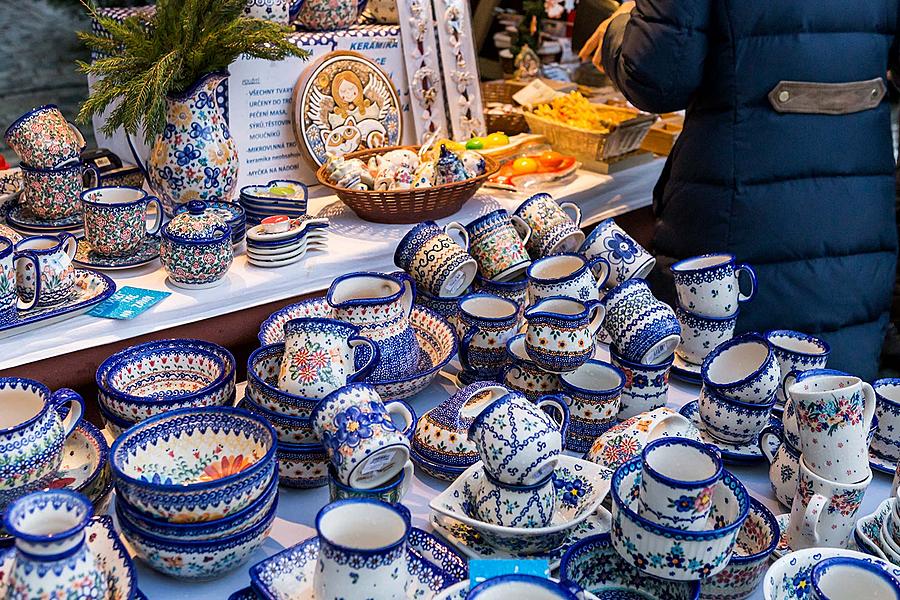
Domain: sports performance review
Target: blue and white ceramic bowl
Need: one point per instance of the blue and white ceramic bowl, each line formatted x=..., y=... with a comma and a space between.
x=194, y=464
x=290, y=430
x=189, y=386
x=757, y=540
x=503, y=587
x=199, y=560
x=744, y=369
x=844, y=577
x=672, y=553
x=594, y=564
x=730, y=420
x=303, y=465
x=240, y=521
x=116, y=425
x=790, y=577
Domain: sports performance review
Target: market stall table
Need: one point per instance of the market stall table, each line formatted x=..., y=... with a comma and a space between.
x=297, y=508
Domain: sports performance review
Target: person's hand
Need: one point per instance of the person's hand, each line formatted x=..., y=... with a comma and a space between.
x=593, y=48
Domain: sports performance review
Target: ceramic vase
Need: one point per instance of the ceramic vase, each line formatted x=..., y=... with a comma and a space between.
x=195, y=157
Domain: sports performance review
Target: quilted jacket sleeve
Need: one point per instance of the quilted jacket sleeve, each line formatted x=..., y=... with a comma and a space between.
x=656, y=55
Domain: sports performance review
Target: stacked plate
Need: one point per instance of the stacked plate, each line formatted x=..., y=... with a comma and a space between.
x=231, y=213
x=279, y=197
x=282, y=241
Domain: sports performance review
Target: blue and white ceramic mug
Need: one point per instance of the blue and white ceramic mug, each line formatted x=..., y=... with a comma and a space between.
x=644, y=329
x=320, y=356
x=523, y=375
x=10, y=301
x=56, y=274
x=391, y=491
x=701, y=335
x=484, y=324
x=508, y=505
x=731, y=420
x=678, y=480
x=796, y=352
x=592, y=392
x=567, y=275
x=553, y=230
x=531, y=587
x=497, y=241
x=517, y=441
x=646, y=386
x=843, y=577
x=627, y=259
x=560, y=334
x=709, y=285
x=743, y=368
x=515, y=290
x=886, y=442
x=362, y=550
x=439, y=264
x=358, y=431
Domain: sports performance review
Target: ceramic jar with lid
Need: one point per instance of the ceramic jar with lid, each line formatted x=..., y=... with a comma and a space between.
x=196, y=248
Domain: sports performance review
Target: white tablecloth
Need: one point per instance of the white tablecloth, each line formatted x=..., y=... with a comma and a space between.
x=297, y=508
x=353, y=245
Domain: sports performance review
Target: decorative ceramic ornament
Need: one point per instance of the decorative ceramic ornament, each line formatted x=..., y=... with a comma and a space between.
x=343, y=103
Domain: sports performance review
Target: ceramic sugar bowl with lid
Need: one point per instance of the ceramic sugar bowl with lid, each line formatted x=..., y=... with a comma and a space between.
x=196, y=248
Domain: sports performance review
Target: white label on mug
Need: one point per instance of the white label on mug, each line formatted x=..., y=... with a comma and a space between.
x=377, y=464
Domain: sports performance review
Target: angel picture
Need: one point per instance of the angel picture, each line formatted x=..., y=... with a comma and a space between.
x=351, y=116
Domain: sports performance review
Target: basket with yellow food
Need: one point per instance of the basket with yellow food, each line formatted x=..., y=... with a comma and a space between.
x=589, y=131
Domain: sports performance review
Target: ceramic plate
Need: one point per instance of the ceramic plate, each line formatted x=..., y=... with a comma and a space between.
x=298, y=226
x=20, y=218
x=90, y=288
x=103, y=542
x=685, y=371
x=288, y=575
x=882, y=465
x=146, y=254
x=789, y=577
x=866, y=532
x=467, y=540
x=461, y=590
x=731, y=453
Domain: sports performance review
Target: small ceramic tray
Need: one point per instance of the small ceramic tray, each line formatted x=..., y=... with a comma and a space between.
x=866, y=532
x=789, y=577
x=882, y=465
x=731, y=453
x=145, y=254
x=685, y=371
x=298, y=226
x=103, y=542
x=90, y=288
x=21, y=218
x=288, y=575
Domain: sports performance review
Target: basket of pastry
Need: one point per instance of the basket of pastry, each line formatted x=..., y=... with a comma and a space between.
x=590, y=131
x=407, y=184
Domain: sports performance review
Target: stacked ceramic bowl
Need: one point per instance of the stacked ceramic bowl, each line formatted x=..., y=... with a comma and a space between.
x=280, y=197
x=156, y=377
x=233, y=215
x=281, y=240
x=196, y=489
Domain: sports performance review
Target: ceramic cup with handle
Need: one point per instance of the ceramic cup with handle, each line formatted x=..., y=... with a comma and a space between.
x=116, y=218
x=358, y=431
x=643, y=328
x=55, y=193
x=678, y=480
x=484, y=324
x=57, y=274
x=834, y=414
x=518, y=442
x=362, y=546
x=796, y=352
x=886, y=442
x=553, y=230
x=320, y=356
x=509, y=505
x=701, y=335
x=10, y=263
x=515, y=290
x=439, y=264
x=709, y=285
x=32, y=434
x=845, y=577
x=498, y=246
x=592, y=392
x=44, y=139
x=627, y=259
x=560, y=334
x=743, y=368
x=391, y=491
x=823, y=512
x=731, y=420
x=646, y=386
x=784, y=463
x=523, y=375
x=566, y=275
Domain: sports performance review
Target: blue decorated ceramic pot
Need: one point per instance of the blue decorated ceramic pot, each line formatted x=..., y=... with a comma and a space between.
x=196, y=248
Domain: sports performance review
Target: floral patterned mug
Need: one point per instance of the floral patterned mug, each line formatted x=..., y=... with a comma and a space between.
x=497, y=242
x=57, y=275
x=627, y=259
x=56, y=193
x=319, y=356
x=552, y=230
x=115, y=219
x=44, y=139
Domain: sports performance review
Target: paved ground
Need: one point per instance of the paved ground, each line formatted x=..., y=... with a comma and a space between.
x=37, y=60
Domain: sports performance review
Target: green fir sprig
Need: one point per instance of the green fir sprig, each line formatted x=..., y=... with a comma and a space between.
x=147, y=57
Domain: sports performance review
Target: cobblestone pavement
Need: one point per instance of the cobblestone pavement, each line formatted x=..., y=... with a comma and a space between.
x=37, y=60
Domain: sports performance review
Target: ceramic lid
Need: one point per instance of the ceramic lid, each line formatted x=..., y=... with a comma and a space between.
x=197, y=225
x=229, y=212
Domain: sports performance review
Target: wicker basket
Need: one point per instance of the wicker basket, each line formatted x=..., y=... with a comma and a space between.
x=502, y=91
x=408, y=206
x=590, y=145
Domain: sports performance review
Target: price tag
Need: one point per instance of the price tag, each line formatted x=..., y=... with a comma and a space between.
x=127, y=303
x=479, y=570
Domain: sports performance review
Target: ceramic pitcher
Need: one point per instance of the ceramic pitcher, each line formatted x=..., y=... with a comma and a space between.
x=57, y=276
x=380, y=305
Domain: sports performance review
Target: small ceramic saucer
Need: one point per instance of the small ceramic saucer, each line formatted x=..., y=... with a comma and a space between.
x=144, y=255
x=20, y=218
x=685, y=371
x=882, y=465
x=734, y=453
x=290, y=572
x=866, y=533
x=789, y=578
